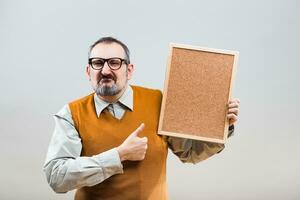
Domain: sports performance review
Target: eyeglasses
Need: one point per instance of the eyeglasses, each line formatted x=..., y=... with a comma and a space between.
x=113, y=63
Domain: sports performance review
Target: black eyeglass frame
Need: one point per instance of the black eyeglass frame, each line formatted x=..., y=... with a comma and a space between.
x=106, y=60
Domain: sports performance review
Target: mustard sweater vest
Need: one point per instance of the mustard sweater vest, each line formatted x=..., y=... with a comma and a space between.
x=141, y=180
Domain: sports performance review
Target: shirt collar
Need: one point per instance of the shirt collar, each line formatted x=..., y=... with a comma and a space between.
x=126, y=100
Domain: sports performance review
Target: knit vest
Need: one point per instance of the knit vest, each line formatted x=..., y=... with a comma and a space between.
x=141, y=180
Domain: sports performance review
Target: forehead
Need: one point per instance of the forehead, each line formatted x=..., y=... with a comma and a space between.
x=107, y=50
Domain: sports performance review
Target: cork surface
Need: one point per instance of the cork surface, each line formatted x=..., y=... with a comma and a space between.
x=196, y=94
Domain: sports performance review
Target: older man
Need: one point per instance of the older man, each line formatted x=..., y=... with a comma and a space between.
x=106, y=145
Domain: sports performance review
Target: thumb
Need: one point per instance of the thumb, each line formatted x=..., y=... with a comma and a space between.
x=137, y=131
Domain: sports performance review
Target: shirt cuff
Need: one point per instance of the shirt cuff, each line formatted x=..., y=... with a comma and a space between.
x=110, y=162
x=230, y=130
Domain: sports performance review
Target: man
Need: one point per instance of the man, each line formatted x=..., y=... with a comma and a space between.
x=106, y=145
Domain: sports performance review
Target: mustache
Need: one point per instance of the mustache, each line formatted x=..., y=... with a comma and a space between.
x=106, y=77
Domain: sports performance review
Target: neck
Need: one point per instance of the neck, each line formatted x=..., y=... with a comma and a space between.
x=114, y=98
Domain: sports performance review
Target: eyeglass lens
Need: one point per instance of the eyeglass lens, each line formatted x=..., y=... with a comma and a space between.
x=113, y=63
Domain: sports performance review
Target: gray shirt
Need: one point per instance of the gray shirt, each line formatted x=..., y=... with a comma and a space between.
x=66, y=170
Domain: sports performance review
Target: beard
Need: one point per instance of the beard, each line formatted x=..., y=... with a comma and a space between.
x=104, y=90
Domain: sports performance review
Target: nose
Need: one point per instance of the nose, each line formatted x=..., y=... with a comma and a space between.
x=105, y=69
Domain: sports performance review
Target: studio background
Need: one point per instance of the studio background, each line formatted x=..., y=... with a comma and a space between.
x=43, y=54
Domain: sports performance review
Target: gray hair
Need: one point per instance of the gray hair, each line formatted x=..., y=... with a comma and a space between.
x=109, y=40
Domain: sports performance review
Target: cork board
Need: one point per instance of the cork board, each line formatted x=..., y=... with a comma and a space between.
x=197, y=89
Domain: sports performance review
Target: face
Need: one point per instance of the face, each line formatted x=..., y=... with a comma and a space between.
x=106, y=82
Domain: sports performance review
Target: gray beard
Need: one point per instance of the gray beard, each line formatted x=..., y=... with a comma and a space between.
x=107, y=91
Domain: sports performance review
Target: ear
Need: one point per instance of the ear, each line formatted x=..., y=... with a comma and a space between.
x=130, y=70
x=88, y=72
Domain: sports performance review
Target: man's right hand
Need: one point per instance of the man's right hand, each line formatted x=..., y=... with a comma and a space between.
x=134, y=147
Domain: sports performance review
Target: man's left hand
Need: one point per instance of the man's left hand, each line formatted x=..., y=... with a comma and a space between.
x=233, y=110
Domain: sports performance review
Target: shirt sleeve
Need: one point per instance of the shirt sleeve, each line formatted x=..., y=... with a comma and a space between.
x=65, y=169
x=194, y=151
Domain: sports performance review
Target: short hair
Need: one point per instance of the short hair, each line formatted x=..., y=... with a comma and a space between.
x=109, y=40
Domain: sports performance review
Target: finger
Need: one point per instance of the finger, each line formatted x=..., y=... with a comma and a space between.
x=138, y=130
x=145, y=151
x=233, y=105
x=232, y=117
x=233, y=110
x=144, y=139
x=234, y=100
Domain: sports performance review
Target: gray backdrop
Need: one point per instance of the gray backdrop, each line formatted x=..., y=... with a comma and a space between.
x=43, y=53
